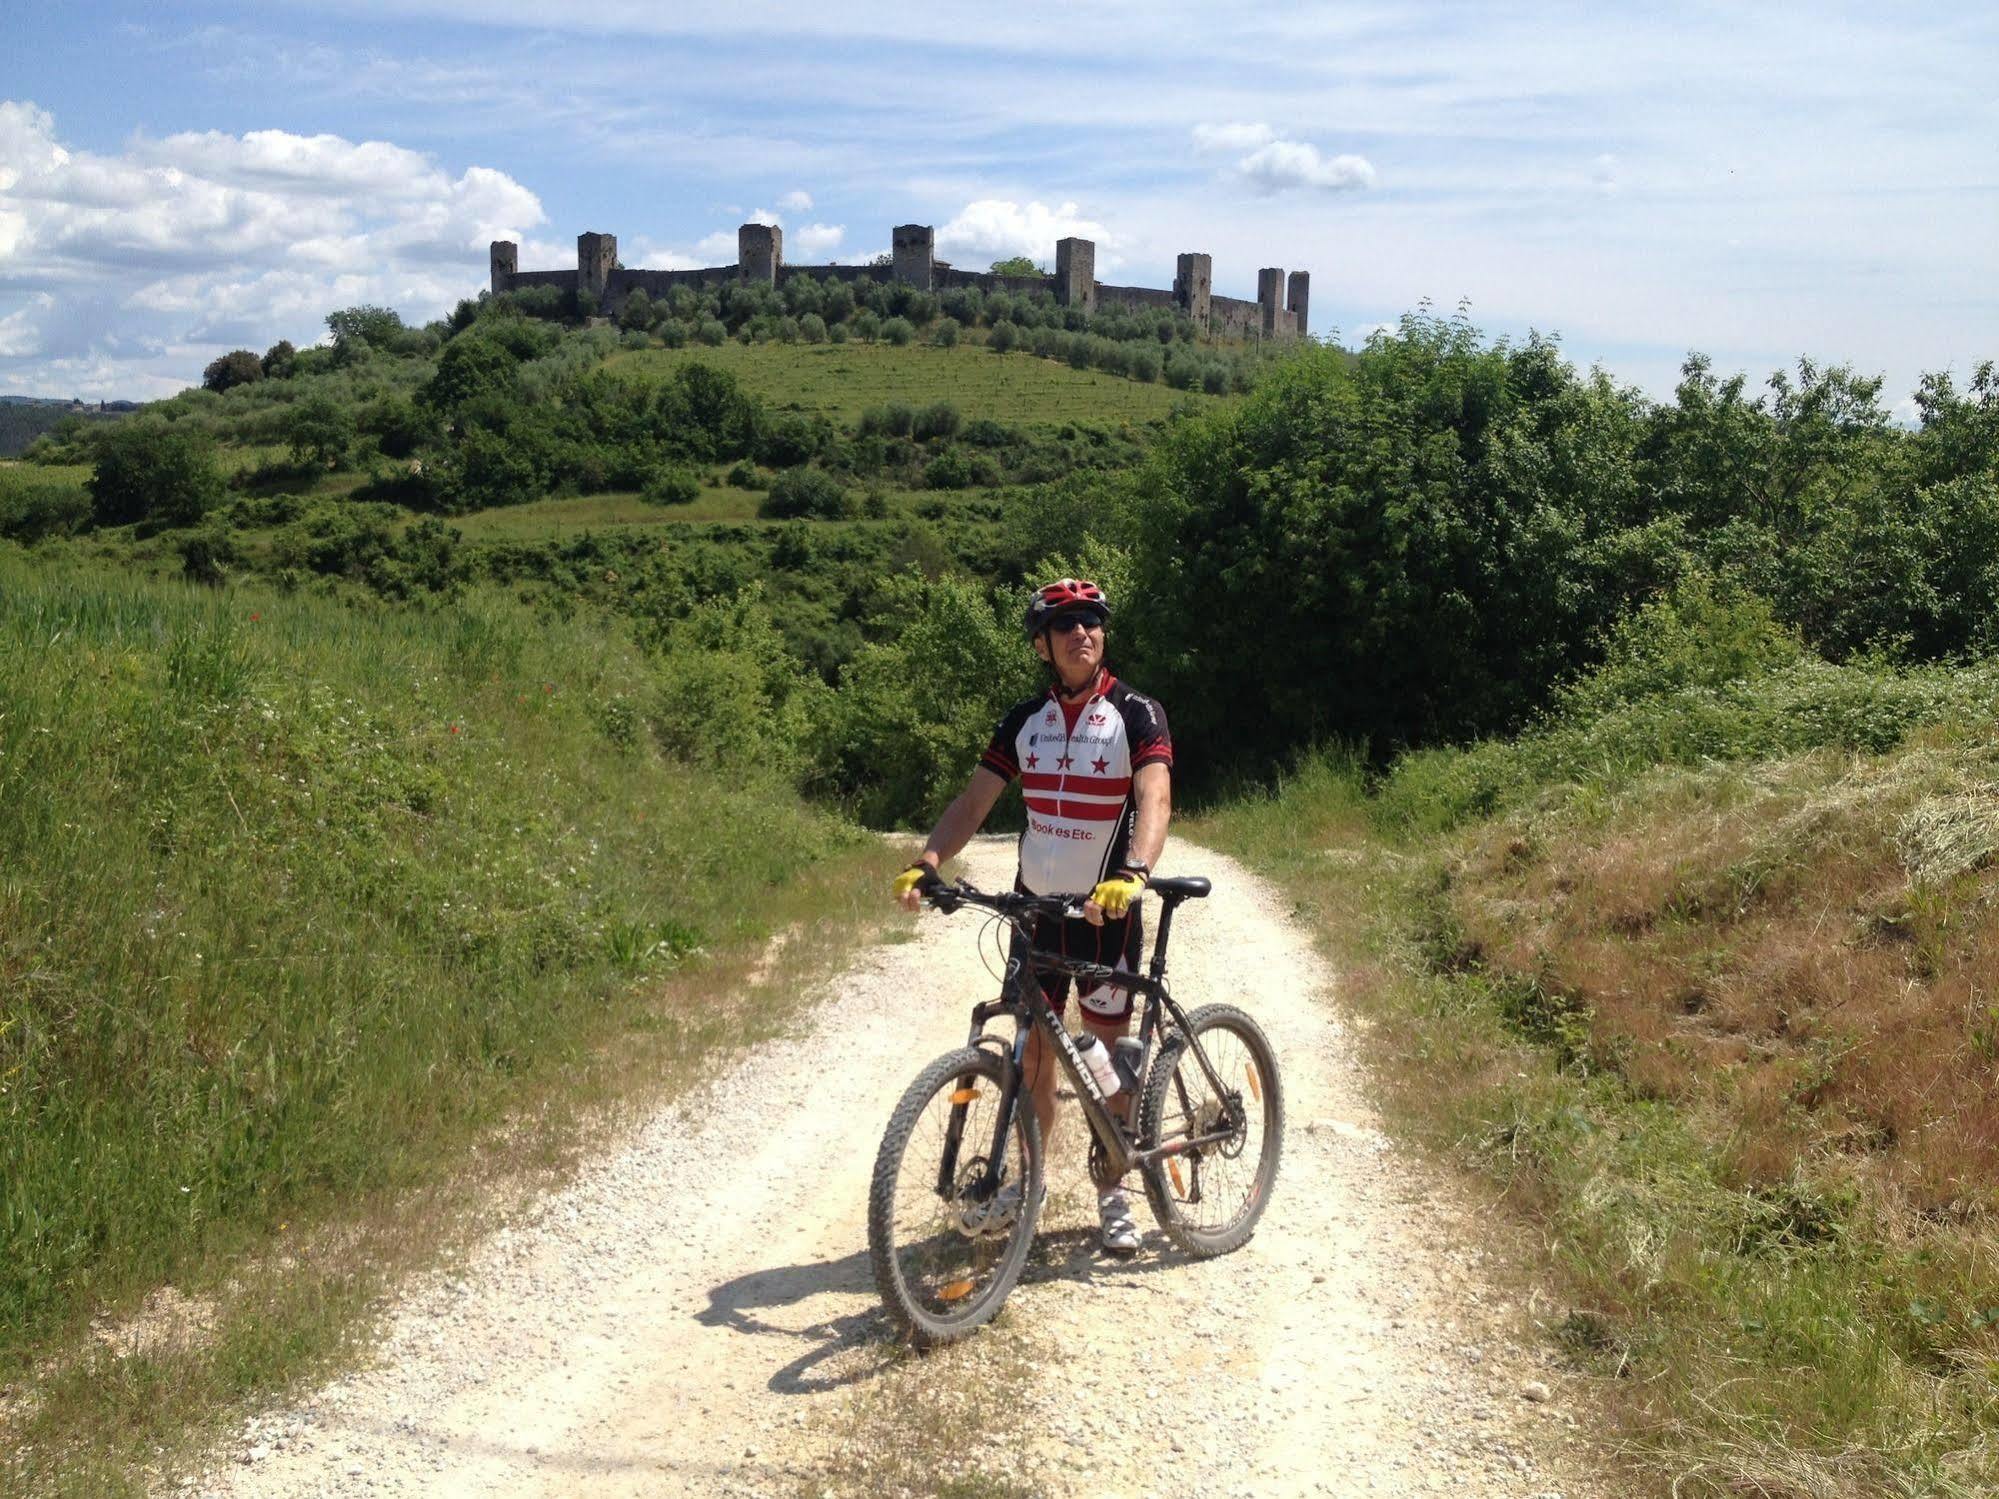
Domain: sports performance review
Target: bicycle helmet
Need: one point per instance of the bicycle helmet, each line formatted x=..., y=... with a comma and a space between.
x=1065, y=596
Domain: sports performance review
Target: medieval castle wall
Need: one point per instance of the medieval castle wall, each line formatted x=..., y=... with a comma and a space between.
x=1281, y=308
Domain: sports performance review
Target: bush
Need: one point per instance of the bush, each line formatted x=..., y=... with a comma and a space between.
x=672, y=485
x=34, y=505
x=238, y=367
x=317, y=431
x=1143, y=364
x=837, y=333
x=150, y=471
x=898, y=331
x=946, y=336
x=745, y=476
x=712, y=332
x=1003, y=337
x=941, y=419
x=948, y=470
x=867, y=326
x=812, y=328
x=637, y=313
x=806, y=493
x=674, y=334
x=787, y=441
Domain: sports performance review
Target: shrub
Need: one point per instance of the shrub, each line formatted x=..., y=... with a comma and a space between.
x=941, y=419
x=672, y=485
x=1143, y=364
x=921, y=309
x=812, y=328
x=637, y=313
x=898, y=331
x=238, y=367
x=398, y=425
x=986, y=433
x=745, y=476
x=1003, y=337
x=787, y=441
x=946, y=336
x=150, y=471
x=948, y=470
x=317, y=431
x=837, y=333
x=674, y=334
x=34, y=505
x=712, y=332
x=806, y=493
x=867, y=326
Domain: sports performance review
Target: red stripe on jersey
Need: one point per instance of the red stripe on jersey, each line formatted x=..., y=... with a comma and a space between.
x=1041, y=780
x=1156, y=754
x=1048, y=806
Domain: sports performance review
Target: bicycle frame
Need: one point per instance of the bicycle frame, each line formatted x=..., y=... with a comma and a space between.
x=1021, y=997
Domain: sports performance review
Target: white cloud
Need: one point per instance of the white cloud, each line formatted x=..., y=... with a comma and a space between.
x=175, y=248
x=812, y=240
x=796, y=201
x=1271, y=162
x=668, y=260
x=1235, y=137
x=718, y=248
x=1283, y=165
x=996, y=228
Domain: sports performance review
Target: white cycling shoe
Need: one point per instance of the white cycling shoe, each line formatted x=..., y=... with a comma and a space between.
x=1120, y=1233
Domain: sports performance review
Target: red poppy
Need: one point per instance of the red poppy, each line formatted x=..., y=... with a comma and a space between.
x=454, y=728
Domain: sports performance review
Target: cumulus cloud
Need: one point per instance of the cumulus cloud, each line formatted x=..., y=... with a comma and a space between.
x=172, y=248
x=812, y=240
x=996, y=228
x=718, y=248
x=796, y=201
x=1270, y=162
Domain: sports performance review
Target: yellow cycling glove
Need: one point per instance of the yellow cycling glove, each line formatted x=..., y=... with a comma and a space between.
x=1115, y=895
x=919, y=876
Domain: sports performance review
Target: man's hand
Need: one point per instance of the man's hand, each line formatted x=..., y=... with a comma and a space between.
x=1113, y=897
x=914, y=883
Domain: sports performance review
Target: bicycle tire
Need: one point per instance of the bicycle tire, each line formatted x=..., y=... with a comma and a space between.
x=1178, y=1102
x=939, y=1279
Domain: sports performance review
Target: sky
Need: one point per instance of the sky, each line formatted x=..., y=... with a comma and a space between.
x=1756, y=183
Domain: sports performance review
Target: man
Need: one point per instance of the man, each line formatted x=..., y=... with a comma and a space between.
x=1095, y=762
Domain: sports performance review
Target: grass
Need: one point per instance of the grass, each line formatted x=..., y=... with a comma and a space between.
x=840, y=381
x=1722, y=1034
x=573, y=515
x=307, y=914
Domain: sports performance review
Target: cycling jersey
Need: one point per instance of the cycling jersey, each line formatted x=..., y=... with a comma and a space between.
x=1075, y=762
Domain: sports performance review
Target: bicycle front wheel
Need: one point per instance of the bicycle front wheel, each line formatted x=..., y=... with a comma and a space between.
x=1208, y=1197
x=946, y=1246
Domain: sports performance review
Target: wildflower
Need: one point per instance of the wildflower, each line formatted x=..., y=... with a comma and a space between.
x=454, y=728
x=255, y=617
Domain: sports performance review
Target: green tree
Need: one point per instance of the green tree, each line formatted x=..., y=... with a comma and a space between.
x=1017, y=265
x=151, y=470
x=318, y=430
x=237, y=367
x=279, y=360
x=376, y=327
x=637, y=313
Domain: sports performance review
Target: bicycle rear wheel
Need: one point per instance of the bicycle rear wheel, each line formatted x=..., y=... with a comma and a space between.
x=1209, y=1197
x=945, y=1257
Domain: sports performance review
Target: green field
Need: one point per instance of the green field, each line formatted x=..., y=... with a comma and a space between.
x=840, y=381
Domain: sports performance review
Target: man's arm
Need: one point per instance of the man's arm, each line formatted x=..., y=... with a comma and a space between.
x=1152, y=790
x=965, y=816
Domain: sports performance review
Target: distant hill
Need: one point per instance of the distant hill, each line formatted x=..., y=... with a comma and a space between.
x=24, y=418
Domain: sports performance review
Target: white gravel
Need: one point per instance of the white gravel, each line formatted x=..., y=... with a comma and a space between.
x=690, y=1316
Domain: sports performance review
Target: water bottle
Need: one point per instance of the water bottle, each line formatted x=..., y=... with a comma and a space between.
x=1098, y=1060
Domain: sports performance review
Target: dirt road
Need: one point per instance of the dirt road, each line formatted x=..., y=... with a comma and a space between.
x=694, y=1315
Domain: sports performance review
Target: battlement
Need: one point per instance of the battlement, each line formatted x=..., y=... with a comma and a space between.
x=1279, y=311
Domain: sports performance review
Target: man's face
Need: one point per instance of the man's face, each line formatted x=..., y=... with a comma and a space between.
x=1074, y=644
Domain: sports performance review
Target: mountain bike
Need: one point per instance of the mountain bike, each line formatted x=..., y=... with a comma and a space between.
x=958, y=1181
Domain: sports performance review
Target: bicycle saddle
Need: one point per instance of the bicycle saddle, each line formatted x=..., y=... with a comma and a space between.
x=1180, y=887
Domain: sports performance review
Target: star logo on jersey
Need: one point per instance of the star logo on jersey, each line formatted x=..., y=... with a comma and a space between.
x=1100, y=766
x=1098, y=718
x=1032, y=761
x=1064, y=763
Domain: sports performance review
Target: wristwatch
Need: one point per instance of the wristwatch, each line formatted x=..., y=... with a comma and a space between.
x=1139, y=868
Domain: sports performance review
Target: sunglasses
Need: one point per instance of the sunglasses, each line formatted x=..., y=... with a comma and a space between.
x=1063, y=624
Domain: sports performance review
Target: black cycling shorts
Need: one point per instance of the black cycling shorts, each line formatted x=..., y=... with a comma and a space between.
x=1116, y=944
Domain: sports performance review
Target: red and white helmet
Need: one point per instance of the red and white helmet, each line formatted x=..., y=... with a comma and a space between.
x=1065, y=596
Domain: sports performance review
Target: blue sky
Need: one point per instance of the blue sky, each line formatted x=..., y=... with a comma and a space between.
x=1758, y=184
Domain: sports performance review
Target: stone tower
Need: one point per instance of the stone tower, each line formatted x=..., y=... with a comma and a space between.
x=1270, y=297
x=914, y=254
x=506, y=261
x=1076, y=273
x=1298, y=299
x=596, y=255
x=759, y=252
x=1193, y=282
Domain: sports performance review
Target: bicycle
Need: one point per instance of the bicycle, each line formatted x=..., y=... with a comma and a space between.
x=958, y=1185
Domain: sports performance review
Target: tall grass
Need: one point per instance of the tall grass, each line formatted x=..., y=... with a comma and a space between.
x=1698, y=978
x=293, y=898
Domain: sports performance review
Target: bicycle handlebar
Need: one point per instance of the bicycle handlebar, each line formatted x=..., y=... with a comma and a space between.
x=1012, y=904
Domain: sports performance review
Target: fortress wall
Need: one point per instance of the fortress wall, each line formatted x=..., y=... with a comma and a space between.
x=1135, y=296
x=522, y=279
x=948, y=277
x=848, y=273
x=1232, y=317
x=656, y=284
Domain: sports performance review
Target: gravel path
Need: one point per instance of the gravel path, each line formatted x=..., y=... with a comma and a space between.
x=694, y=1314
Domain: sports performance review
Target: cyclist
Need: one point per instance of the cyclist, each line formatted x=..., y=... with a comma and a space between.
x=1095, y=763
